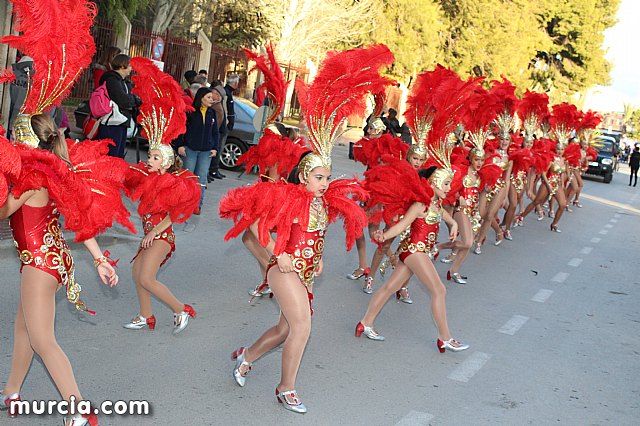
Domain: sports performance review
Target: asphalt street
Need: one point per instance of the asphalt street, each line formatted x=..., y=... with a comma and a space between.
x=552, y=319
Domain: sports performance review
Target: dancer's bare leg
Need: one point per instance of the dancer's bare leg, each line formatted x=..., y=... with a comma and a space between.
x=423, y=268
x=507, y=222
x=462, y=245
x=37, y=296
x=381, y=296
x=541, y=196
x=562, y=203
x=260, y=253
x=150, y=260
x=22, y=355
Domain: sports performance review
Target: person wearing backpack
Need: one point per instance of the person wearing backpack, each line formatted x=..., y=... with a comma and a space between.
x=119, y=92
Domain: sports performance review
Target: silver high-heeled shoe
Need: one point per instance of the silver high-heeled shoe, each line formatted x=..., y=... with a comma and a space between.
x=477, y=249
x=368, y=285
x=293, y=403
x=452, y=345
x=404, y=299
x=181, y=320
x=239, y=376
x=81, y=420
x=368, y=331
x=140, y=322
x=449, y=259
x=456, y=277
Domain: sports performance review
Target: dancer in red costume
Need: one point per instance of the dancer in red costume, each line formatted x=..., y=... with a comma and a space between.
x=442, y=93
x=497, y=194
x=300, y=213
x=50, y=177
x=588, y=122
x=167, y=194
x=369, y=151
x=479, y=112
x=533, y=108
x=275, y=155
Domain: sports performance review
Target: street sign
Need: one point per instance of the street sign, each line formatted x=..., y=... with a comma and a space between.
x=157, y=48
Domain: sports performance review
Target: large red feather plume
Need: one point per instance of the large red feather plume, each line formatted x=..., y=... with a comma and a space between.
x=338, y=91
x=564, y=119
x=274, y=82
x=533, y=109
x=505, y=93
x=163, y=112
x=57, y=35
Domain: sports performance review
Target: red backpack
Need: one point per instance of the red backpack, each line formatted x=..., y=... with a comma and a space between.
x=99, y=101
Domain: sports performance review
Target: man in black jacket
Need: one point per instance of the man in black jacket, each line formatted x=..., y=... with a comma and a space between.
x=229, y=88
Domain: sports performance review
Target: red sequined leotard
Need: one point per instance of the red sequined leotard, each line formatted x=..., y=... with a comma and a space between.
x=503, y=162
x=41, y=245
x=149, y=221
x=423, y=233
x=305, y=247
x=471, y=193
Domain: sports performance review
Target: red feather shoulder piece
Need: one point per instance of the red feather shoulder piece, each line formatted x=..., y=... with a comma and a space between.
x=460, y=170
x=105, y=176
x=573, y=154
x=369, y=151
x=395, y=186
x=489, y=173
x=542, y=155
x=592, y=153
x=176, y=194
x=10, y=166
x=273, y=150
x=274, y=82
x=522, y=159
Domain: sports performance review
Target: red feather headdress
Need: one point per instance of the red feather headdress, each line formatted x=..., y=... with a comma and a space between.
x=533, y=109
x=162, y=113
x=590, y=120
x=338, y=91
x=477, y=114
x=504, y=91
x=564, y=120
x=274, y=82
x=57, y=35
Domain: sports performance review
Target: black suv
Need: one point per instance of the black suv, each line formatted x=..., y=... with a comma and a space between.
x=605, y=163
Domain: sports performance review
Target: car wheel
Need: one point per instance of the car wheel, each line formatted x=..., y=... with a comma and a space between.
x=231, y=151
x=608, y=177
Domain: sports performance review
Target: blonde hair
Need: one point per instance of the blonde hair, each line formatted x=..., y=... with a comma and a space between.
x=51, y=138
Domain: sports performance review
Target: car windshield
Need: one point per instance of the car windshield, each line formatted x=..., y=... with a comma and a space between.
x=604, y=147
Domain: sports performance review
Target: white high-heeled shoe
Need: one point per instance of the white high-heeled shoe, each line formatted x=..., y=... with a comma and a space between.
x=368, y=331
x=451, y=345
x=238, y=375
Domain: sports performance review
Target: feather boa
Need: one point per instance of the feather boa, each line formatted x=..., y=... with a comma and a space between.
x=176, y=194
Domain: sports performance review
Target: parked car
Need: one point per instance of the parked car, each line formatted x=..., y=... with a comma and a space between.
x=605, y=163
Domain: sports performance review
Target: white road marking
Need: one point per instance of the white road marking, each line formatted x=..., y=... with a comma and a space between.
x=603, y=232
x=513, y=325
x=415, y=418
x=608, y=225
x=542, y=295
x=586, y=250
x=614, y=221
x=575, y=262
x=469, y=367
x=560, y=277
x=617, y=215
x=596, y=240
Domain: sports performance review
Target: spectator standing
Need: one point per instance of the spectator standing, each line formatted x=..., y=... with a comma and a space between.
x=634, y=164
x=104, y=64
x=119, y=91
x=230, y=87
x=393, y=125
x=201, y=141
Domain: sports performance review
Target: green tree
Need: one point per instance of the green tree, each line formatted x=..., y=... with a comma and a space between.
x=411, y=29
